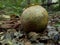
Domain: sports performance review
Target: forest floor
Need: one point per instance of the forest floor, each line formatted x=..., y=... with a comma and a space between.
x=11, y=34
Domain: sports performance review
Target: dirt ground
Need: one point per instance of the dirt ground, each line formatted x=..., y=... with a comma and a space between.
x=11, y=33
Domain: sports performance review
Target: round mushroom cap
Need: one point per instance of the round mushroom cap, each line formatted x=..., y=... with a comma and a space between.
x=34, y=19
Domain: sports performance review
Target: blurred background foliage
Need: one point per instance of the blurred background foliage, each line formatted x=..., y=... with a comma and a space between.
x=8, y=7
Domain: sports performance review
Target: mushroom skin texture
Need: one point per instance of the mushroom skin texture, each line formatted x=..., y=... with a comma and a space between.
x=34, y=19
